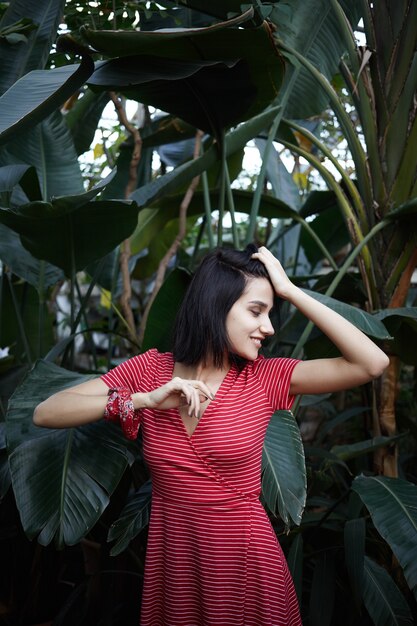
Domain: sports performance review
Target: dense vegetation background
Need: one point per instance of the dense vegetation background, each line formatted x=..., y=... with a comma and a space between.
x=135, y=136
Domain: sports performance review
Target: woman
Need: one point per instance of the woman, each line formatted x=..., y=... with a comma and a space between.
x=213, y=558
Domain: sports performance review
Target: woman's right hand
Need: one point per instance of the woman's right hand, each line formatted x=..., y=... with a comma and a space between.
x=177, y=392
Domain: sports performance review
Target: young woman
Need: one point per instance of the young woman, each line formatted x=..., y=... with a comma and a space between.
x=213, y=558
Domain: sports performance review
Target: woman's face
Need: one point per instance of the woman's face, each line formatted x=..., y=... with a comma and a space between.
x=248, y=323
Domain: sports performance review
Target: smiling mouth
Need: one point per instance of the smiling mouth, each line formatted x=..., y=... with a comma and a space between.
x=257, y=341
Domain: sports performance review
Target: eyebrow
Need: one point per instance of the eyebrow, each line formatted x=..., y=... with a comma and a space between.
x=259, y=303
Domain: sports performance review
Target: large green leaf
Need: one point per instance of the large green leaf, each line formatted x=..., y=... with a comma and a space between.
x=392, y=503
x=211, y=77
x=401, y=323
x=383, y=600
x=38, y=94
x=19, y=58
x=283, y=468
x=133, y=518
x=312, y=28
x=354, y=450
x=367, y=323
x=50, y=149
x=39, y=274
x=62, y=479
x=61, y=231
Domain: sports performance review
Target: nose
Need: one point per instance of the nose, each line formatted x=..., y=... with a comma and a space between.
x=266, y=327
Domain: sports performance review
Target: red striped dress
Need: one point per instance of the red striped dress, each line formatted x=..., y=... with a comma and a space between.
x=213, y=558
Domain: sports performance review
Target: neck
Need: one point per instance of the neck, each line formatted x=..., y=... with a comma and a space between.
x=203, y=371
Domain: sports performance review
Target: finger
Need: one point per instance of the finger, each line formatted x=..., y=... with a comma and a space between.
x=205, y=390
x=195, y=403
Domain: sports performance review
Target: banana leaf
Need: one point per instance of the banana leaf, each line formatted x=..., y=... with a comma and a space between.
x=62, y=479
x=50, y=149
x=354, y=450
x=133, y=518
x=318, y=39
x=211, y=77
x=367, y=323
x=37, y=273
x=61, y=231
x=18, y=59
x=392, y=504
x=38, y=94
x=284, y=480
x=383, y=600
x=401, y=323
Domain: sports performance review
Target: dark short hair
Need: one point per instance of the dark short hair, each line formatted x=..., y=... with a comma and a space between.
x=199, y=332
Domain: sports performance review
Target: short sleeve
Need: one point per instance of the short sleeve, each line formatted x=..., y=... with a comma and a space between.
x=274, y=375
x=130, y=373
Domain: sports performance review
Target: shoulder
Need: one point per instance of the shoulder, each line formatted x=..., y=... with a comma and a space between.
x=272, y=366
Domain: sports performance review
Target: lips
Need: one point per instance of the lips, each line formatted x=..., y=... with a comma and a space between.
x=257, y=341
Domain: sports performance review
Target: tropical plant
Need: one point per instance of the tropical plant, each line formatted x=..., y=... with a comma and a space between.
x=47, y=219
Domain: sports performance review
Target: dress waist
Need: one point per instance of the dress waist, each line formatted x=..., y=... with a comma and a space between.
x=231, y=500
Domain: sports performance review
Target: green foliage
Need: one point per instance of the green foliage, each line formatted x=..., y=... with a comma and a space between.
x=283, y=466
x=227, y=78
x=81, y=467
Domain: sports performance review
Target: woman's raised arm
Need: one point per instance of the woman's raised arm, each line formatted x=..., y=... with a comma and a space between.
x=361, y=359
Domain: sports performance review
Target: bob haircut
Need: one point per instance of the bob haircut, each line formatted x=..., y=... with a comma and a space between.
x=199, y=333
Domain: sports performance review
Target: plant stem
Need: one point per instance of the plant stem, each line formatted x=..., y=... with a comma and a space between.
x=207, y=209
x=261, y=178
x=337, y=279
x=358, y=154
x=19, y=320
x=222, y=192
x=231, y=204
x=41, y=313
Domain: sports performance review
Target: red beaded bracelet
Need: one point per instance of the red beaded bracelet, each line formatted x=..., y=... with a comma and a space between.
x=119, y=408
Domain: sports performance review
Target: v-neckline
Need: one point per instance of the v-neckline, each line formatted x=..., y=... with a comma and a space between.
x=219, y=392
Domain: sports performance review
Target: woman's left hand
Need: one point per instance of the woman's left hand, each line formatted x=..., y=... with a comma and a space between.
x=279, y=279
